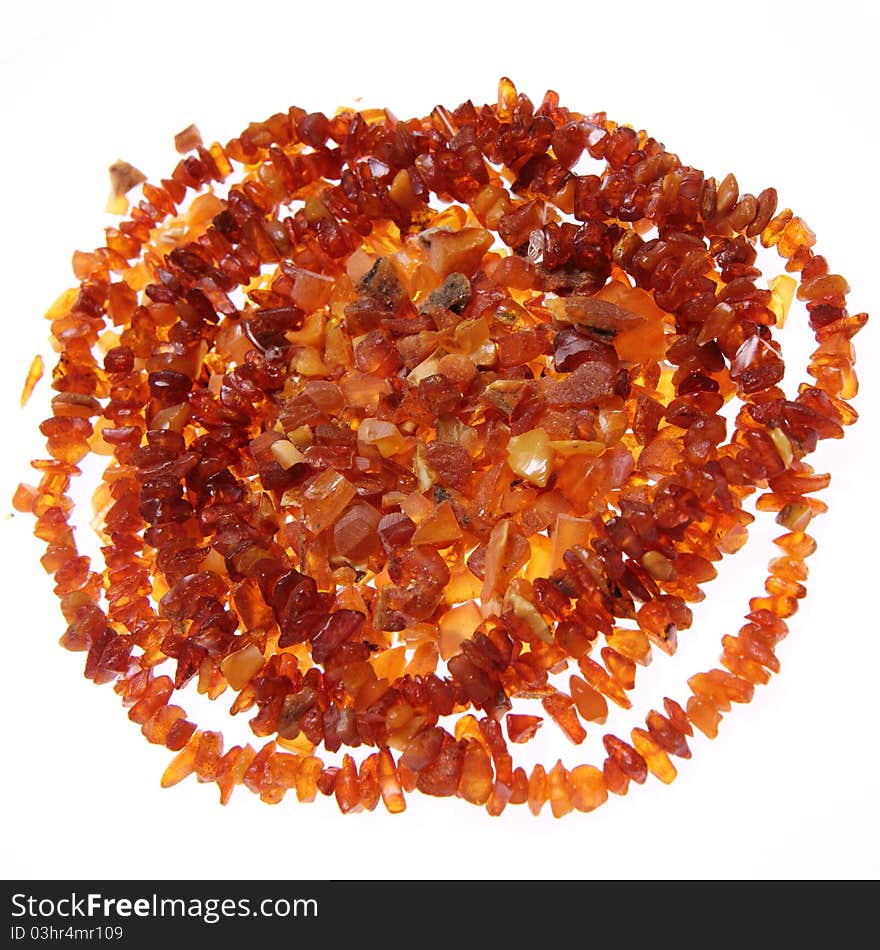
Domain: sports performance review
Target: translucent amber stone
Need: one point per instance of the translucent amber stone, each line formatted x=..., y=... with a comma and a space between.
x=615, y=779
x=655, y=757
x=34, y=375
x=389, y=784
x=587, y=788
x=325, y=500
x=561, y=709
x=704, y=716
x=558, y=791
x=181, y=765
x=621, y=668
x=521, y=728
x=231, y=770
x=520, y=792
x=599, y=678
x=498, y=799
x=208, y=753
x=667, y=734
x=476, y=774
x=347, y=789
x=307, y=778
x=538, y=789
x=530, y=455
x=632, y=644
x=631, y=762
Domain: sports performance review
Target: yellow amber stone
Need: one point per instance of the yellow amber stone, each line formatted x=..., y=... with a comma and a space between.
x=783, y=445
x=467, y=727
x=239, y=667
x=440, y=528
x=389, y=664
x=286, y=454
x=456, y=625
x=782, y=288
x=35, y=373
x=568, y=532
x=633, y=644
x=385, y=436
x=463, y=584
x=424, y=659
x=658, y=761
x=402, y=193
x=797, y=234
x=773, y=232
x=506, y=98
x=541, y=559
x=183, y=764
x=325, y=500
x=307, y=778
x=530, y=456
x=519, y=599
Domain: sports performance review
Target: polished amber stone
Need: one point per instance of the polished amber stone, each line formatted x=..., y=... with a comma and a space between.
x=588, y=789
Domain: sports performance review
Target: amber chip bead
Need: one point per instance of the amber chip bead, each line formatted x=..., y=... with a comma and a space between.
x=419, y=439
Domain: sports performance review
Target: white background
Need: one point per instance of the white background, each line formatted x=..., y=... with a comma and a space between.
x=782, y=94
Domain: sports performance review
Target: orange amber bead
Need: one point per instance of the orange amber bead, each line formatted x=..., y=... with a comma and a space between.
x=655, y=757
x=587, y=786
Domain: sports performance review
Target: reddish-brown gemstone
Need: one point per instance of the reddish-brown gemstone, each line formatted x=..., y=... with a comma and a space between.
x=627, y=758
x=522, y=728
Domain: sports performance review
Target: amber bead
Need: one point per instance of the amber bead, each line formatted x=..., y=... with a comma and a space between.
x=667, y=734
x=561, y=709
x=182, y=765
x=704, y=715
x=519, y=793
x=590, y=703
x=522, y=728
x=627, y=758
x=599, y=678
x=389, y=783
x=558, y=791
x=588, y=790
x=347, y=789
x=34, y=375
x=307, y=778
x=368, y=782
x=476, y=774
x=654, y=755
x=538, y=789
x=614, y=777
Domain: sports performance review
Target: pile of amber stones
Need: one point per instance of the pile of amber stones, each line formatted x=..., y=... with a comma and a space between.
x=406, y=421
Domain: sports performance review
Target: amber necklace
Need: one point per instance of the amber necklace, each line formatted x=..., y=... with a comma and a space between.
x=420, y=421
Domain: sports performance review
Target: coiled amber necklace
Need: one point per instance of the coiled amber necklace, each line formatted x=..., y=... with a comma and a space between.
x=410, y=421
